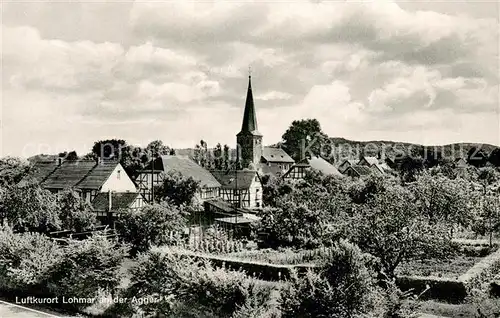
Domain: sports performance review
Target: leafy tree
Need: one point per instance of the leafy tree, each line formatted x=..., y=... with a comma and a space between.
x=226, y=157
x=176, y=189
x=152, y=225
x=273, y=188
x=409, y=168
x=391, y=227
x=218, y=157
x=109, y=148
x=477, y=157
x=12, y=170
x=201, y=154
x=344, y=287
x=302, y=137
x=443, y=200
x=157, y=148
x=75, y=213
x=494, y=158
x=31, y=208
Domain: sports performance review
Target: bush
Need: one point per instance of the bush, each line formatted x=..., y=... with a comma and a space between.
x=184, y=287
x=87, y=267
x=25, y=259
x=344, y=287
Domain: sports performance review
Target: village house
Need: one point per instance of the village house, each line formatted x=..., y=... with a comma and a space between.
x=92, y=180
x=298, y=171
x=345, y=164
x=276, y=157
x=241, y=188
x=357, y=171
x=154, y=172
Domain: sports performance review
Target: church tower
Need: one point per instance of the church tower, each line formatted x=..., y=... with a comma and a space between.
x=249, y=140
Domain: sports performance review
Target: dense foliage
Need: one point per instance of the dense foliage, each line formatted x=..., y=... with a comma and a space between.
x=155, y=224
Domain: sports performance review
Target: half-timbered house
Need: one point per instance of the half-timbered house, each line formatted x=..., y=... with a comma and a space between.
x=241, y=188
x=298, y=171
x=152, y=175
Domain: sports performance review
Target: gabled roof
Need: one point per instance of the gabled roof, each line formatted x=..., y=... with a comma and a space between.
x=68, y=174
x=360, y=170
x=186, y=167
x=370, y=160
x=98, y=175
x=231, y=179
x=226, y=207
x=249, y=125
x=274, y=154
x=322, y=165
x=349, y=161
x=42, y=169
x=119, y=200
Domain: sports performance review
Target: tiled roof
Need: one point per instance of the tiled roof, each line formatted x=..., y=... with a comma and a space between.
x=273, y=154
x=186, y=167
x=371, y=160
x=42, y=169
x=97, y=176
x=322, y=165
x=226, y=206
x=361, y=170
x=230, y=179
x=68, y=174
x=119, y=200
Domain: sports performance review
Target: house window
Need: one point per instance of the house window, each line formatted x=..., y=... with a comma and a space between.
x=257, y=204
x=118, y=175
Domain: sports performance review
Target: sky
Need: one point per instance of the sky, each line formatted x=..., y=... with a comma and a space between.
x=76, y=72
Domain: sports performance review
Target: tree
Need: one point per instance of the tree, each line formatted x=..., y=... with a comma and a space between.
x=157, y=148
x=31, y=208
x=226, y=157
x=12, y=170
x=409, y=168
x=201, y=154
x=218, y=157
x=177, y=189
x=494, y=158
x=75, y=213
x=444, y=200
x=303, y=137
x=477, y=157
x=109, y=148
x=391, y=227
x=154, y=224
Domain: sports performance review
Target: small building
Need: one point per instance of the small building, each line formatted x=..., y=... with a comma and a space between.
x=357, y=171
x=345, y=164
x=460, y=163
x=241, y=188
x=367, y=161
x=276, y=157
x=153, y=174
x=298, y=171
x=108, y=205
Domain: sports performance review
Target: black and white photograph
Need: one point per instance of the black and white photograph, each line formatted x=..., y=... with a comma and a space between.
x=250, y=158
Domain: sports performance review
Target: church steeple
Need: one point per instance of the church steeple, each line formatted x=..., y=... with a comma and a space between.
x=249, y=140
x=249, y=116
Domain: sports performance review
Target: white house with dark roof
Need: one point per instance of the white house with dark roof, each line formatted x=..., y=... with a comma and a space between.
x=154, y=172
x=92, y=180
x=276, y=157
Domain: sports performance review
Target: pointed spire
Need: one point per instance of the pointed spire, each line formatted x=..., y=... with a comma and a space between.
x=249, y=116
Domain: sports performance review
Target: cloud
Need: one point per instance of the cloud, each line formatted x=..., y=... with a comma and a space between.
x=178, y=71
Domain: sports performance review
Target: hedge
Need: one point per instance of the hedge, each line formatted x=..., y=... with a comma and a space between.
x=482, y=271
x=444, y=289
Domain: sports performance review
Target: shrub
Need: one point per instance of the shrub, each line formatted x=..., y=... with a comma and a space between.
x=25, y=259
x=87, y=267
x=184, y=287
x=343, y=288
